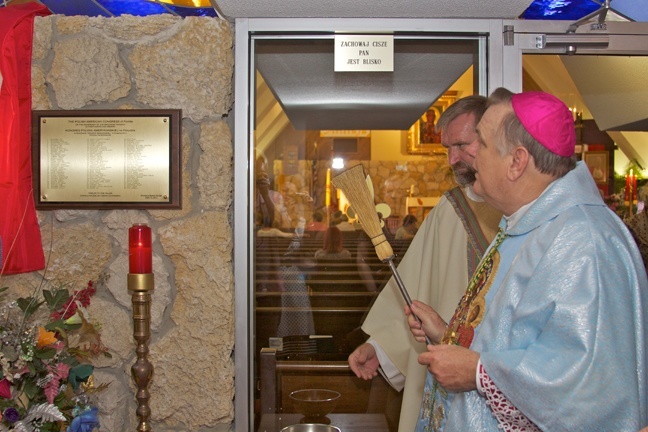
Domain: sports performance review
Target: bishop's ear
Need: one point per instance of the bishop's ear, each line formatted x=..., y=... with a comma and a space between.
x=519, y=163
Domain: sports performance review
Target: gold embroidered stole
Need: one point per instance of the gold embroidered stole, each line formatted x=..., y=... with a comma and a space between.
x=470, y=311
x=461, y=329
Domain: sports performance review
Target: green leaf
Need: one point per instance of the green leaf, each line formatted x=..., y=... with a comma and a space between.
x=9, y=352
x=55, y=326
x=61, y=328
x=79, y=374
x=28, y=305
x=70, y=361
x=50, y=427
x=4, y=289
x=31, y=389
x=45, y=353
x=56, y=298
x=61, y=401
x=71, y=327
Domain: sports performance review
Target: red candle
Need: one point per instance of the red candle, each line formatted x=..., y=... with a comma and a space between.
x=140, y=254
x=627, y=188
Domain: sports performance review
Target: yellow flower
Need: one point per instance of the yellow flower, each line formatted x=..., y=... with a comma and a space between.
x=45, y=338
x=74, y=319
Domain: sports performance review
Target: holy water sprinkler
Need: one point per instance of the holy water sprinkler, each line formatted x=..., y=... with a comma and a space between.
x=354, y=185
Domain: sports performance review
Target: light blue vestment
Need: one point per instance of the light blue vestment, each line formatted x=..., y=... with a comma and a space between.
x=564, y=334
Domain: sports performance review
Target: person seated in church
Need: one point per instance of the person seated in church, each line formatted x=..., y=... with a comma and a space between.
x=407, y=231
x=342, y=222
x=332, y=248
x=317, y=223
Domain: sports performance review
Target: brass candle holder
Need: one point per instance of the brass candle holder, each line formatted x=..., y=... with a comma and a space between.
x=141, y=286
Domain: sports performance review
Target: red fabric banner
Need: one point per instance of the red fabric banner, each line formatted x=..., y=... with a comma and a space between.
x=22, y=250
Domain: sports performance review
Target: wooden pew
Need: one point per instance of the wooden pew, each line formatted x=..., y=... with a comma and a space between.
x=335, y=320
x=332, y=299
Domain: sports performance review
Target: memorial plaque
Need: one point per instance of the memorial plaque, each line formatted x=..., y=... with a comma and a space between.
x=106, y=159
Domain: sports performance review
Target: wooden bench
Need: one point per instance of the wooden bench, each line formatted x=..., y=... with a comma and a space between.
x=334, y=313
x=329, y=299
x=334, y=320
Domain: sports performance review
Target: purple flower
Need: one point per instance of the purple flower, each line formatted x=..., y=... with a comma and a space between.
x=85, y=422
x=11, y=415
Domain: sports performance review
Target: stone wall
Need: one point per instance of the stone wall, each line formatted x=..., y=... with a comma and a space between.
x=430, y=176
x=158, y=62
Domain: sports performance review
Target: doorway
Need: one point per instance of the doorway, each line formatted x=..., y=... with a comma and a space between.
x=304, y=311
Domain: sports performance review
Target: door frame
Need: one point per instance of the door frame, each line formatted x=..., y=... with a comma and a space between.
x=246, y=28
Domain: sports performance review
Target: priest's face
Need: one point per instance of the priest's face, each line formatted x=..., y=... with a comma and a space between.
x=461, y=140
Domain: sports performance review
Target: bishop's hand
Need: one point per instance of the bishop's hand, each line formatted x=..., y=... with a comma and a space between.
x=433, y=325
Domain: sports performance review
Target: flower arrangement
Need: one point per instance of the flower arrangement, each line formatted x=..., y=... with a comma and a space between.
x=46, y=382
x=615, y=203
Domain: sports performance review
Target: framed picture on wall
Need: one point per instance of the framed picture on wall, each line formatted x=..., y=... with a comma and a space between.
x=597, y=162
x=422, y=137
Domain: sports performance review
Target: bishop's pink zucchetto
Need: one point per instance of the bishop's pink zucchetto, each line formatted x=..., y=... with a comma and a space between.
x=548, y=120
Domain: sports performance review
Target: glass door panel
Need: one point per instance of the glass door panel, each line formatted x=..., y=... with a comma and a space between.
x=316, y=273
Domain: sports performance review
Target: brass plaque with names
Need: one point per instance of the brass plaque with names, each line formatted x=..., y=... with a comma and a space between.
x=116, y=159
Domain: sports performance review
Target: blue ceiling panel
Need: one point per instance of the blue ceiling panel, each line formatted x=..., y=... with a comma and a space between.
x=75, y=7
x=189, y=11
x=560, y=9
x=133, y=7
x=110, y=8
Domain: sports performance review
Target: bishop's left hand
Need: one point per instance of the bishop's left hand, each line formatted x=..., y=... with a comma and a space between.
x=454, y=367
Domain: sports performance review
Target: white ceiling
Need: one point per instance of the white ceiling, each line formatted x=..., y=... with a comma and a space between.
x=615, y=88
x=301, y=75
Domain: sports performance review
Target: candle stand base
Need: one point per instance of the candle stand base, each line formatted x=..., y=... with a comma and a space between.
x=140, y=286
